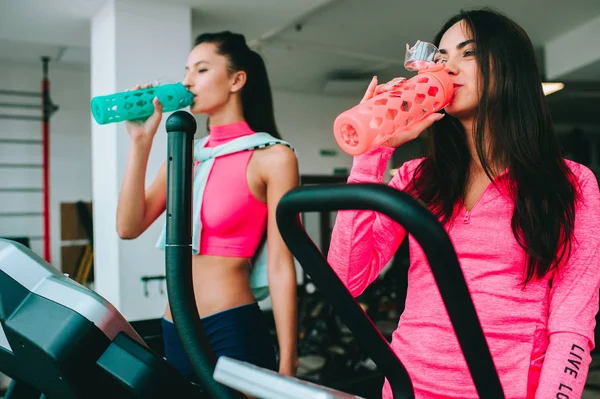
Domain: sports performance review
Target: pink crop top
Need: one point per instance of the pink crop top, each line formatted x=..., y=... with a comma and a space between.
x=233, y=220
x=540, y=336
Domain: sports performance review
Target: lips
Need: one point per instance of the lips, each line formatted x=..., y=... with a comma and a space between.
x=457, y=86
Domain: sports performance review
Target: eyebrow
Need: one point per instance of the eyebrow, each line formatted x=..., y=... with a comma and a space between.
x=197, y=63
x=459, y=46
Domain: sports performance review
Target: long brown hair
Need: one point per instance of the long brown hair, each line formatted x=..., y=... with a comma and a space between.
x=521, y=138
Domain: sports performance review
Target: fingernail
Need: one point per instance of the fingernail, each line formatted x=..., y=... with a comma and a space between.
x=440, y=116
x=395, y=81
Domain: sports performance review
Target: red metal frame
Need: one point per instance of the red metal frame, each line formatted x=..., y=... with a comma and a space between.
x=46, y=111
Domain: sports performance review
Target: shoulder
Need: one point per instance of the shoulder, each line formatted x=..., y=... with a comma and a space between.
x=410, y=166
x=277, y=157
x=278, y=151
x=406, y=172
x=587, y=209
x=273, y=151
x=582, y=174
x=586, y=185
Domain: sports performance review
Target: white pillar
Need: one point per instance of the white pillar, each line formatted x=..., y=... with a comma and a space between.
x=132, y=42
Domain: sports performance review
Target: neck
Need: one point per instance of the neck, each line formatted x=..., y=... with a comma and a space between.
x=467, y=125
x=476, y=166
x=223, y=134
x=229, y=113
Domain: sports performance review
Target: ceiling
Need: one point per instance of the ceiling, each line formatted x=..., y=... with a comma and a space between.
x=326, y=47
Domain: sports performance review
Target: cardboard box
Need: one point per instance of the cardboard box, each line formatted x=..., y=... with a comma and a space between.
x=72, y=226
x=71, y=255
x=75, y=239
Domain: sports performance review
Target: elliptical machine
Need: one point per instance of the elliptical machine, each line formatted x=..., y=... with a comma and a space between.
x=60, y=340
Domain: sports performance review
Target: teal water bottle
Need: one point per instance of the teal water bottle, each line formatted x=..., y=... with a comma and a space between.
x=137, y=104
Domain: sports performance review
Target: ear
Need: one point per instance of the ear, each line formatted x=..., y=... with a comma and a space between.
x=238, y=81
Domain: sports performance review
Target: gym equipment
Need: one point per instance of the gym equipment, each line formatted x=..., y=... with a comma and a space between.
x=376, y=120
x=404, y=209
x=328, y=352
x=48, y=108
x=181, y=127
x=137, y=104
x=61, y=340
x=267, y=384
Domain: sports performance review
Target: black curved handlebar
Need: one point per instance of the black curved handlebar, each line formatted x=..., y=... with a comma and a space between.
x=181, y=127
x=433, y=239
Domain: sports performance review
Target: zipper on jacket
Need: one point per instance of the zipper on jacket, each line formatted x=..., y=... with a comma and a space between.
x=467, y=217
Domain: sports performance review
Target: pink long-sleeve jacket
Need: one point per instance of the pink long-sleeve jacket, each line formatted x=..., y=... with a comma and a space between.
x=540, y=336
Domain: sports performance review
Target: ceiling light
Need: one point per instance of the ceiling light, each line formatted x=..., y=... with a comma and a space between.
x=551, y=87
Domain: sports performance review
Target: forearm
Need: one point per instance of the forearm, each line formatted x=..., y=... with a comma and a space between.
x=573, y=300
x=362, y=242
x=285, y=308
x=132, y=197
x=565, y=367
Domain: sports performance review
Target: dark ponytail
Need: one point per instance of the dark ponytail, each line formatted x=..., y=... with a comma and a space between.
x=257, y=100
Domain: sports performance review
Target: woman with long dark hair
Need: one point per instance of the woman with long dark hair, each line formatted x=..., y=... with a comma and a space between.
x=236, y=191
x=523, y=221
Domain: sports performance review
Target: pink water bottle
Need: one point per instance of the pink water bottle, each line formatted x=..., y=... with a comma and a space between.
x=375, y=121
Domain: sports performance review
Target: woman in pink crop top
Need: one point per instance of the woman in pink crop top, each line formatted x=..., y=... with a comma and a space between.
x=239, y=200
x=523, y=220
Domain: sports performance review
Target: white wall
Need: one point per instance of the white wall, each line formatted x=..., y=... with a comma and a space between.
x=307, y=122
x=304, y=120
x=70, y=148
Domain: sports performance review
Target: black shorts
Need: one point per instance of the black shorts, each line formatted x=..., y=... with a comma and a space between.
x=239, y=333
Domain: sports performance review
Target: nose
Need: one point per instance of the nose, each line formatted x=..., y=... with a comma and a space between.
x=187, y=81
x=452, y=67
